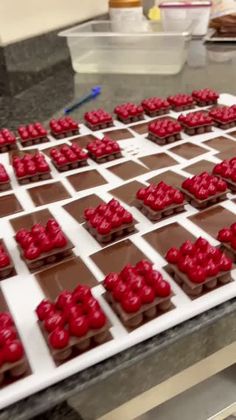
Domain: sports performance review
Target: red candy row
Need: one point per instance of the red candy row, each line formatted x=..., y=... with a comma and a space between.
x=63, y=125
x=98, y=116
x=67, y=154
x=106, y=217
x=160, y=196
x=3, y=174
x=199, y=260
x=41, y=239
x=31, y=131
x=228, y=235
x=204, y=186
x=180, y=100
x=223, y=114
x=226, y=169
x=30, y=165
x=103, y=147
x=205, y=95
x=11, y=349
x=4, y=257
x=6, y=137
x=128, y=110
x=164, y=127
x=195, y=119
x=155, y=104
x=73, y=314
x=136, y=285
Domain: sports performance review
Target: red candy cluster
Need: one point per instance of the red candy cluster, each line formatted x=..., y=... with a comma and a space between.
x=164, y=127
x=160, y=196
x=30, y=165
x=205, y=95
x=226, y=169
x=63, y=125
x=137, y=285
x=199, y=260
x=11, y=349
x=128, y=110
x=41, y=239
x=31, y=131
x=4, y=257
x=3, y=174
x=155, y=104
x=204, y=186
x=106, y=217
x=73, y=314
x=180, y=100
x=67, y=154
x=195, y=119
x=98, y=116
x=103, y=147
x=223, y=114
x=228, y=235
x=6, y=137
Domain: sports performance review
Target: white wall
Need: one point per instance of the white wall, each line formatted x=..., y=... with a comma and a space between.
x=21, y=19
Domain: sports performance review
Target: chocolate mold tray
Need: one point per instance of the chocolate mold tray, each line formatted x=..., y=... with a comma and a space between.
x=23, y=291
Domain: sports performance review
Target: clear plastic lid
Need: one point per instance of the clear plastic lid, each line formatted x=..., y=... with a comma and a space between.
x=181, y=4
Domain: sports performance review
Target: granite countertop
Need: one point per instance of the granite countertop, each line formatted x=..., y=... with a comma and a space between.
x=139, y=368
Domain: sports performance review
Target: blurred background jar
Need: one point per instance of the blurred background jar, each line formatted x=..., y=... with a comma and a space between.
x=125, y=14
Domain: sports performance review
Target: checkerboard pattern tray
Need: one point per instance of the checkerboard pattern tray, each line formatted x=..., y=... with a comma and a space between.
x=65, y=197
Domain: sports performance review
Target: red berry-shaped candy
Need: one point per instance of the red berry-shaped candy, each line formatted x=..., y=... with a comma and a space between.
x=147, y=294
x=5, y=320
x=111, y=280
x=65, y=298
x=224, y=235
x=7, y=333
x=173, y=256
x=104, y=228
x=187, y=248
x=119, y=291
x=144, y=266
x=32, y=253
x=91, y=305
x=198, y=275
x=82, y=294
x=131, y=303
x=225, y=263
x=97, y=319
x=13, y=351
x=201, y=244
x=56, y=320
x=79, y=326
x=59, y=240
x=45, y=309
x=4, y=260
x=59, y=338
x=162, y=289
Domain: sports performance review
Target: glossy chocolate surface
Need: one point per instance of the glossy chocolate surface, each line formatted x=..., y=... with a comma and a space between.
x=9, y=205
x=169, y=177
x=167, y=236
x=115, y=257
x=213, y=219
x=76, y=208
x=127, y=192
x=65, y=276
x=199, y=167
x=86, y=179
x=188, y=150
x=158, y=161
x=28, y=220
x=119, y=134
x=48, y=193
x=221, y=143
x=127, y=170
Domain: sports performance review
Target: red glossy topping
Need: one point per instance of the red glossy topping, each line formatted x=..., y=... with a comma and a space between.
x=160, y=196
x=204, y=186
x=136, y=285
x=30, y=165
x=5, y=320
x=164, y=127
x=195, y=119
x=3, y=174
x=128, y=110
x=199, y=260
x=63, y=125
x=155, y=104
x=31, y=131
x=106, y=217
x=13, y=351
x=97, y=319
x=205, y=95
x=226, y=169
x=228, y=235
x=103, y=147
x=180, y=100
x=41, y=239
x=45, y=309
x=55, y=320
x=7, y=334
x=97, y=116
x=6, y=137
x=79, y=326
x=223, y=114
x=59, y=338
x=67, y=154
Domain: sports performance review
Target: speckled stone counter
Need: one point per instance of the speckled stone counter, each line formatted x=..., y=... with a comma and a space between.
x=143, y=366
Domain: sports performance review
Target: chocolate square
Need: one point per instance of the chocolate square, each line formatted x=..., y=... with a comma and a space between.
x=76, y=208
x=83, y=141
x=28, y=220
x=221, y=143
x=199, y=167
x=226, y=154
x=127, y=170
x=169, y=177
x=213, y=219
x=188, y=150
x=141, y=128
x=65, y=276
x=87, y=179
x=115, y=257
x=158, y=161
x=9, y=205
x=119, y=134
x=127, y=192
x=168, y=236
x=48, y=193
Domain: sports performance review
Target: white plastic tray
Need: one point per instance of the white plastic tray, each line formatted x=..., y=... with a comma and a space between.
x=23, y=292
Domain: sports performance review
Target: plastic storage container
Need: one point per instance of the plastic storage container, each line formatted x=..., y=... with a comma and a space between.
x=175, y=13
x=95, y=48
